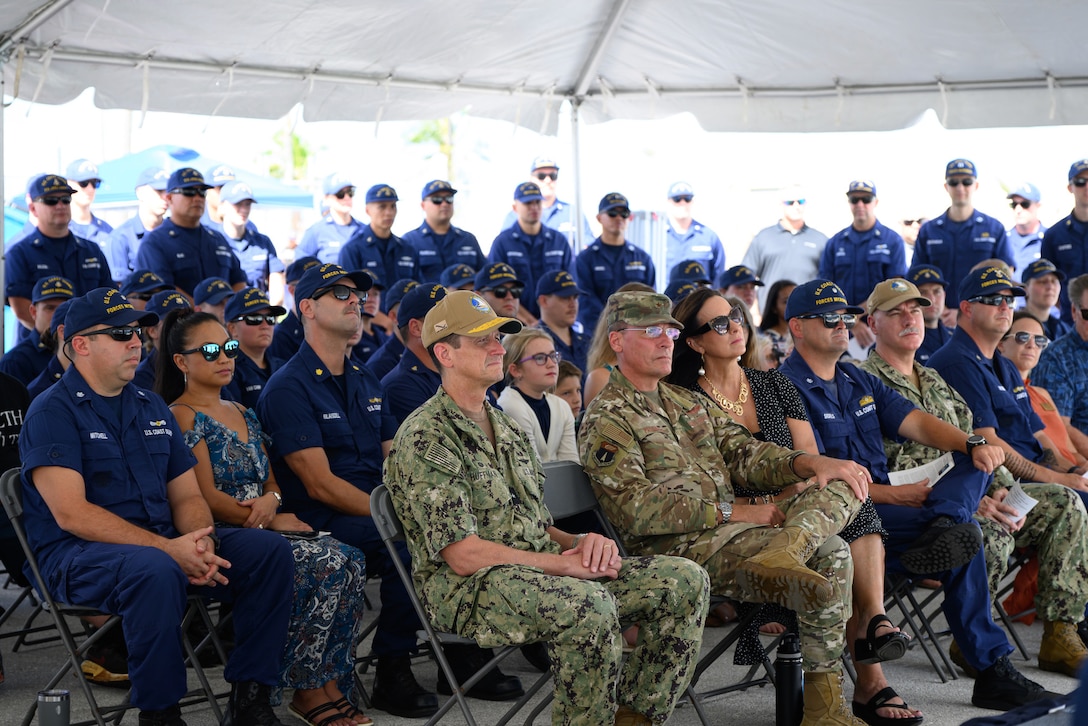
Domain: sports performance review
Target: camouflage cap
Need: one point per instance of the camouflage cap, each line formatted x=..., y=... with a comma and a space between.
x=640, y=309
x=463, y=312
x=886, y=295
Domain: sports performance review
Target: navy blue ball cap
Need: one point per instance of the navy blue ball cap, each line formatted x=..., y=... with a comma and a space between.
x=437, y=186
x=992, y=280
x=142, y=281
x=527, y=192
x=861, y=186
x=212, y=291
x=817, y=297
x=558, y=282
x=418, y=301
x=381, y=193
x=375, y=281
x=495, y=274
x=324, y=276
x=396, y=293
x=457, y=276
x=82, y=170
x=680, y=289
x=153, y=177
x=48, y=184
x=960, y=167
x=104, y=306
x=296, y=269
x=613, y=200
x=1040, y=267
x=689, y=271
x=739, y=275
x=1077, y=167
x=52, y=287
x=58, y=316
x=167, y=300
x=186, y=178
x=250, y=300
x=925, y=274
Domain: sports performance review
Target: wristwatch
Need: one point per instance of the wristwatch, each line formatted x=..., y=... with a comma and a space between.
x=279, y=499
x=215, y=540
x=974, y=440
x=726, y=508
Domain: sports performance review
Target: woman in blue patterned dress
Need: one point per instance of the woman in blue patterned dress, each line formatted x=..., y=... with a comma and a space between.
x=235, y=477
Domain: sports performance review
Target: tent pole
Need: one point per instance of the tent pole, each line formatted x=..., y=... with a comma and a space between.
x=3, y=236
x=576, y=152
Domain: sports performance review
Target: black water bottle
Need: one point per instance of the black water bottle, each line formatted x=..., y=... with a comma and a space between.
x=789, y=699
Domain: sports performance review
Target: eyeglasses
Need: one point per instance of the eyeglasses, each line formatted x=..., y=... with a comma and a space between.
x=54, y=201
x=541, y=359
x=1023, y=205
x=90, y=183
x=863, y=199
x=440, y=200
x=502, y=292
x=967, y=182
x=791, y=202
x=190, y=192
x=341, y=293
x=211, y=351
x=993, y=300
x=623, y=212
x=346, y=192
x=832, y=320
x=118, y=334
x=542, y=175
x=655, y=331
x=254, y=319
x=720, y=324
x=1022, y=338
x=1079, y=181
x=683, y=198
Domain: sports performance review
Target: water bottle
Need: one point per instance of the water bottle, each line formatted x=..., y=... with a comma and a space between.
x=53, y=708
x=789, y=699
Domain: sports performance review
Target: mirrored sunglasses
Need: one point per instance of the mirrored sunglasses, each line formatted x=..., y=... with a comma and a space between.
x=720, y=324
x=656, y=331
x=118, y=334
x=993, y=300
x=340, y=292
x=255, y=319
x=440, y=200
x=1022, y=338
x=212, y=351
x=832, y=320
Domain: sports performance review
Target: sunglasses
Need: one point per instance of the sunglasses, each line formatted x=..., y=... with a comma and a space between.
x=541, y=359
x=440, y=200
x=90, y=183
x=54, y=201
x=791, y=202
x=348, y=192
x=190, y=192
x=911, y=222
x=863, y=199
x=118, y=334
x=341, y=292
x=145, y=296
x=967, y=182
x=254, y=319
x=993, y=300
x=1023, y=205
x=655, y=331
x=1084, y=313
x=542, y=175
x=832, y=320
x=683, y=198
x=720, y=324
x=502, y=292
x=1079, y=181
x=1022, y=338
x=625, y=213
x=211, y=351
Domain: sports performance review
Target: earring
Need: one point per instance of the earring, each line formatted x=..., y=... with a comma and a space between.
x=702, y=370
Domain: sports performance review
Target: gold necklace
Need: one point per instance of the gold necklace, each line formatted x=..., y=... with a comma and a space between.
x=736, y=408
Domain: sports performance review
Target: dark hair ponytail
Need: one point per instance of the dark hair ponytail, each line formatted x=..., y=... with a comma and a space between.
x=174, y=338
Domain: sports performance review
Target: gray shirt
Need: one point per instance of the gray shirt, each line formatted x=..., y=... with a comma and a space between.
x=777, y=254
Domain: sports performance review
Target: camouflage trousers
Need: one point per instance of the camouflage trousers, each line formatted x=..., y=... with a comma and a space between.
x=1058, y=530
x=581, y=620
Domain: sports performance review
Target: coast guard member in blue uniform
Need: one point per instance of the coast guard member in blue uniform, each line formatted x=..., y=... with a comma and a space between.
x=326, y=237
x=250, y=319
x=932, y=285
x=288, y=336
x=125, y=239
x=415, y=379
x=1026, y=234
x=610, y=262
x=555, y=213
x=687, y=238
x=84, y=178
x=29, y=356
x=386, y=357
x=118, y=523
x=437, y=241
x=1066, y=243
x=962, y=237
x=140, y=286
x=458, y=277
x=255, y=251
x=557, y=294
x=375, y=247
x=160, y=303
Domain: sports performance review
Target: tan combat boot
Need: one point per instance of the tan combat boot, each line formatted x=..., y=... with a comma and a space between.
x=1061, y=650
x=627, y=717
x=778, y=573
x=825, y=702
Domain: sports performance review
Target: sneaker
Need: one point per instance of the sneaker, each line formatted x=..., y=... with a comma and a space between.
x=166, y=717
x=397, y=691
x=249, y=705
x=945, y=545
x=465, y=660
x=1002, y=688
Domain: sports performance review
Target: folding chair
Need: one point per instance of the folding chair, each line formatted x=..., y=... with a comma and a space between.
x=391, y=531
x=899, y=592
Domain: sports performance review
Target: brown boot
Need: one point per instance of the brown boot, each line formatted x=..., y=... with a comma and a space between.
x=627, y=717
x=1061, y=650
x=778, y=573
x=825, y=702
x=957, y=658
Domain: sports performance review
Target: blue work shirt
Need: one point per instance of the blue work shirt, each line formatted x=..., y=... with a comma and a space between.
x=28, y=229
x=1063, y=371
x=26, y=359
x=602, y=269
x=145, y=371
x=386, y=358
x=956, y=247
x=38, y=256
x=850, y=422
x=389, y=258
x=97, y=231
x=857, y=261
x=699, y=243
x=1026, y=248
x=935, y=338
x=368, y=345
x=250, y=379
x=257, y=256
x=52, y=373
x=183, y=256
x=439, y=251
x=1066, y=245
x=532, y=256
x=994, y=391
x=123, y=244
x=303, y=406
x=560, y=217
x=409, y=386
x=287, y=338
x=326, y=237
x=125, y=463
x=578, y=350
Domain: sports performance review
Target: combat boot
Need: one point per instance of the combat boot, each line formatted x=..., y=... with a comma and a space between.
x=1061, y=650
x=778, y=574
x=825, y=702
x=956, y=656
x=627, y=717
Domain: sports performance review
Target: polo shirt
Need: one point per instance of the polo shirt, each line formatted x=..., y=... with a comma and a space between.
x=325, y=238
x=1066, y=245
x=183, y=256
x=409, y=385
x=956, y=247
x=602, y=269
x=1063, y=371
x=390, y=258
x=776, y=253
x=532, y=256
x=37, y=256
x=439, y=251
x=858, y=261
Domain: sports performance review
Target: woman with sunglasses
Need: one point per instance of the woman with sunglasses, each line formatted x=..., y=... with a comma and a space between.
x=706, y=359
x=235, y=478
x=532, y=369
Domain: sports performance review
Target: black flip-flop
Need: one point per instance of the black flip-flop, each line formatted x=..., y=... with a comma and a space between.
x=871, y=649
x=867, y=712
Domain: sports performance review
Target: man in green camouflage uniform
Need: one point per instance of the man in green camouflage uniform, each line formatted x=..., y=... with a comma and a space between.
x=1057, y=527
x=489, y=563
x=663, y=467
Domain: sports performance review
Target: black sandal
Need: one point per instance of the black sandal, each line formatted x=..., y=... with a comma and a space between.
x=867, y=712
x=871, y=649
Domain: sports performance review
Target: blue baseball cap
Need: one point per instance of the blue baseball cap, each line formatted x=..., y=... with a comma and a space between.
x=153, y=177
x=186, y=178
x=925, y=274
x=335, y=182
x=527, y=192
x=680, y=189
x=861, y=186
x=381, y=193
x=250, y=300
x=236, y=191
x=680, y=289
x=52, y=287
x=457, y=276
x=167, y=300
x=613, y=200
x=1028, y=191
x=296, y=269
x=58, y=316
x=397, y=292
x=689, y=271
x=212, y=290
x=45, y=184
x=558, y=283
x=495, y=274
x=323, y=276
x=817, y=297
x=543, y=162
x=437, y=186
x=960, y=167
x=418, y=301
x=739, y=275
x=988, y=281
x=376, y=283
x=1078, y=167
x=1040, y=267
x=82, y=170
x=139, y=281
x=220, y=175
x=104, y=306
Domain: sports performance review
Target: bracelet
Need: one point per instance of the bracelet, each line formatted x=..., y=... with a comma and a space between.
x=577, y=540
